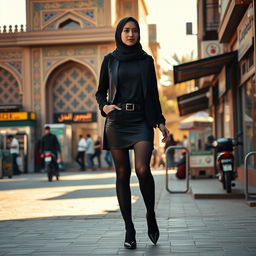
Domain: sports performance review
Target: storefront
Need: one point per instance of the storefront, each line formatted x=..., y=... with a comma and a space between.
x=216, y=99
x=68, y=126
x=22, y=126
x=247, y=89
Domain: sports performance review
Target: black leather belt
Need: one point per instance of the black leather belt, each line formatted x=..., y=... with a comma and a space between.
x=130, y=106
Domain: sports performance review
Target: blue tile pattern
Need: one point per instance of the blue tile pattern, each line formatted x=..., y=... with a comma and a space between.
x=74, y=90
x=9, y=89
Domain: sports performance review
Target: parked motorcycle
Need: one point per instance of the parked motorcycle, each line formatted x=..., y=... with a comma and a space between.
x=225, y=161
x=50, y=165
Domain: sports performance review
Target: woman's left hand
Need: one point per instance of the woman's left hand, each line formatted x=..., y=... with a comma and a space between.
x=164, y=131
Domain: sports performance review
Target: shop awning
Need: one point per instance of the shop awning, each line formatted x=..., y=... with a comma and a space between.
x=202, y=67
x=197, y=121
x=193, y=102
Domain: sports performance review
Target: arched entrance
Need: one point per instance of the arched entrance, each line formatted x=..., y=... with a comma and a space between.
x=70, y=99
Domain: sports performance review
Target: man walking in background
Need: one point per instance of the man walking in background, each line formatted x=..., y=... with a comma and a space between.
x=81, y=149
x=97, y=151
x=14, y=150
x=89, y=152
x=50, y=143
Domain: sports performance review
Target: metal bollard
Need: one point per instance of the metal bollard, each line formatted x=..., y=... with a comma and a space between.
x=187, y=170
x=246, y=192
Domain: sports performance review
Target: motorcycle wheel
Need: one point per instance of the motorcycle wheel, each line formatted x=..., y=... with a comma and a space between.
x=49, y=173
x=223, y=179
x=228, y=181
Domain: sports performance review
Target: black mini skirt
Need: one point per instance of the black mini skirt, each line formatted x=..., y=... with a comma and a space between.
x=123, y=129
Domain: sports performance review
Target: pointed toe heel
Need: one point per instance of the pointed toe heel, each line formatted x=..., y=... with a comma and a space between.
x=153, y=237
x=153, y=231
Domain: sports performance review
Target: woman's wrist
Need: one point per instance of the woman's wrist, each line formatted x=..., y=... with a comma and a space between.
x=160, y=126
x=104, y=108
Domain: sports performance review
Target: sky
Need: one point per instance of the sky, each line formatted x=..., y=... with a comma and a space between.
x=170, y=16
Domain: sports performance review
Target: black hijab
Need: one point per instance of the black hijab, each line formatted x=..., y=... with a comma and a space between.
x=124, y=52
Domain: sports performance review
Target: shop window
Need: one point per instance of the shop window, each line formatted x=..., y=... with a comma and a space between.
x=247, y=63
x=248, y=104
x=227, y=119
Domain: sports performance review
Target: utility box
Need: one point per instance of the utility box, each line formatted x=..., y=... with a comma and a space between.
x=202, y=164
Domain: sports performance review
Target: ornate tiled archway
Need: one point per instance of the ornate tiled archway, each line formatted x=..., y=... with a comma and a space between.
x=9, y=89
x=70, y=88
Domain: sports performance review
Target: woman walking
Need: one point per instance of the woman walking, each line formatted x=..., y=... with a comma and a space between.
x=128, y=97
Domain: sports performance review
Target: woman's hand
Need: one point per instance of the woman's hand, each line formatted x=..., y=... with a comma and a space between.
x=109, y=108
x=164, y=131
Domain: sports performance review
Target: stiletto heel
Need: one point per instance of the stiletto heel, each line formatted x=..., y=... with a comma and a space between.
x=130, y=241
x=153, y=231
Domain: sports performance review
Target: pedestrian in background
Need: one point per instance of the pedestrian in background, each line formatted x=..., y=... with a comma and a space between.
x=82, y=145
x=97, y=151
x=186, y=143
x=170, y=155
x=108, y=158
x=132, y=109
x=14, y=150
x=50, y=142
x=154, y=158
x=89, y=152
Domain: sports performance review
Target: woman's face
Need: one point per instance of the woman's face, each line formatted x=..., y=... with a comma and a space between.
x=130, y=34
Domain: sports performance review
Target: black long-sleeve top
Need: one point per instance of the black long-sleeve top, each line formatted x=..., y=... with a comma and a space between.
x=109, y=85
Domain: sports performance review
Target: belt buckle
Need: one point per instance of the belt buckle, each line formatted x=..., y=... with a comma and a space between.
x=129, y=107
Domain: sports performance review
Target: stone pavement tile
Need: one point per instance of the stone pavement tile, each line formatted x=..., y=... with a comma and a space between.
x=239, y=254
x=215, y=253
x=190, y=249
x=208, y=244
x=251, y=245
x=182, y=242
x=20, y=252
x=105, y=251
x=234, y=248
x=126, y=252
x=73, y=250
x=45, y=254
x=147, y=250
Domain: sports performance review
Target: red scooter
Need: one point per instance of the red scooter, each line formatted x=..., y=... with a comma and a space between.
x=50, y=165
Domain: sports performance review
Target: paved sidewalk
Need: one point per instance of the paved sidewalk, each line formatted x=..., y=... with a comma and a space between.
x=79, y=216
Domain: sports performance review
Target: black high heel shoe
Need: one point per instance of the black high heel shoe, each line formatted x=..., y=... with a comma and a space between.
x=153, y=231
x=130, y=241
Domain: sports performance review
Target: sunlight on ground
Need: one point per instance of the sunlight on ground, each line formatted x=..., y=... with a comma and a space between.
x=48, y=200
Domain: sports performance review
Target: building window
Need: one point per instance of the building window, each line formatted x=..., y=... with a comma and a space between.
x=69, y=24
x=212, y=15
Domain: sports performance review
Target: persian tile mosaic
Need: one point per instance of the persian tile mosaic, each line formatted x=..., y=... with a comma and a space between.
x=46, y=12
x=9, y=89
x=74, y=91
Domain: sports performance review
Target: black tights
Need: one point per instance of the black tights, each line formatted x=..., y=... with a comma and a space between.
x=142, y=152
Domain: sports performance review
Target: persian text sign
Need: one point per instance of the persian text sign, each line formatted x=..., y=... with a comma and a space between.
x=71, y=117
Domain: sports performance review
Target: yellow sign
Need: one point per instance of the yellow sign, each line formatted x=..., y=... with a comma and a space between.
x=13, y=116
